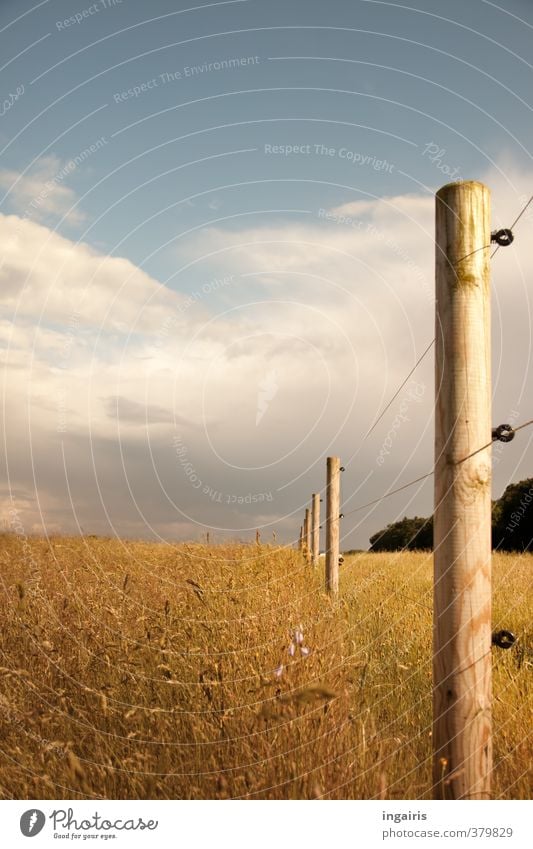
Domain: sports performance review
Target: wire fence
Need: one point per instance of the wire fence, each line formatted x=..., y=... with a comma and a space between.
x=503, y=433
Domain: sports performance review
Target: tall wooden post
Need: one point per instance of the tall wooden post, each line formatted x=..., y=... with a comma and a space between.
x=315, y=535
x=462, y=520
x=301, y=539
x=307, y=533
x=333, y=507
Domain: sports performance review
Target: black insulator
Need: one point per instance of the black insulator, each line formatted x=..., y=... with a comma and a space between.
x=503, y=639
x=503, y=433
x=502, y=237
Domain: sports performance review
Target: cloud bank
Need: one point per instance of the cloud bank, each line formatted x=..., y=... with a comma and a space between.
x=133, y=409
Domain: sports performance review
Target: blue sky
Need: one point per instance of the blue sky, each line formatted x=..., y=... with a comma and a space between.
x=362, y=109
x=402, y=78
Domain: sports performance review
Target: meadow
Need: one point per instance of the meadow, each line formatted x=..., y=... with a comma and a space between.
x=139, y=670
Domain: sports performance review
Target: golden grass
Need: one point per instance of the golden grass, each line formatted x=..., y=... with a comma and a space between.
x=133, y=670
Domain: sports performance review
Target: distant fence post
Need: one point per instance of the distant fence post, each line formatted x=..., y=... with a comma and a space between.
x=462, y=745
x=307, y=533
x=301, y=539
x=315, y=536
x=332, y=524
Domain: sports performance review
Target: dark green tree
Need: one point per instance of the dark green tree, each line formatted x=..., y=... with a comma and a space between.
x=512, y=525
x=512, y=518
x=408, y=534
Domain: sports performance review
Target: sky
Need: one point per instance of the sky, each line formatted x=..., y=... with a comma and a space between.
x=217, y=255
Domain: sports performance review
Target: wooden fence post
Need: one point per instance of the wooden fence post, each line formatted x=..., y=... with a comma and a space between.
x=307, y=533
x=332, y=524
x=315, y=535
x=462, y=745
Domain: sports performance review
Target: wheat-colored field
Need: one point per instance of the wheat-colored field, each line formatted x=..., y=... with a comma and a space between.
x=135, y=670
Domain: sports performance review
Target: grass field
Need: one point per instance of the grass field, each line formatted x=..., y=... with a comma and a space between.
x=133, y=670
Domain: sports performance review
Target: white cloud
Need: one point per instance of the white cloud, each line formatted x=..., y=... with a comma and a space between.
x=104, y=367
x=42, y=192
x=47, y=278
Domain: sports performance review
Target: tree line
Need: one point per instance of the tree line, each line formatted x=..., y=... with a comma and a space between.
x=512, y=525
